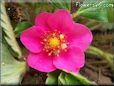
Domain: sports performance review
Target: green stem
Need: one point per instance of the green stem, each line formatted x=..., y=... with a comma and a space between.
x=75, y=14
x=103, y=55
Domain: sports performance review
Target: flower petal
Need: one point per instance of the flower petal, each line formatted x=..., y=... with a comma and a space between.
x=71, y=60
x=81, y=36
x=31, y=38
x=41, y=62
x=41, y=19
x=59, y=19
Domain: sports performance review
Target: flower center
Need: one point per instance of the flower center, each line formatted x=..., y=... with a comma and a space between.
x=54, y=43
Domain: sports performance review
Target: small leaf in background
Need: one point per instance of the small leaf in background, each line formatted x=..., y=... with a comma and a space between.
x=65, y=4
x=21, y=27
x=103, y=26
x=97, y=9
x=42, y=7
x=9, y=35
x=11, y=69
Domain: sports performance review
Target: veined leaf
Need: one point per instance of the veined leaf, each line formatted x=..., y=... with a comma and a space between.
x=11, y=69
x=63, y=78
x=97, y=9
x=65, y=4
x=73, y=79
x=8, y=30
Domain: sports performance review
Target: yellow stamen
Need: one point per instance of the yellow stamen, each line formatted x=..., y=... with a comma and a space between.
x=61, y=36
x=63, y=46
x=54, y=42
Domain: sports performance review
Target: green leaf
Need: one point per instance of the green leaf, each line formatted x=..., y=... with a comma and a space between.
x=9, y=35
x=40, y=7
x=107, y=26
x=30, y=10
x=65, y=4
x=73, y=79
x=11, y=69
x=63, y=78
x=97, y=9
x=52, y=78
x=21, y=27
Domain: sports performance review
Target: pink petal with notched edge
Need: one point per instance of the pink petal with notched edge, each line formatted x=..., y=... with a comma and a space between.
x=80, y=36
x=60, y=18
x=31, y=38
x=41, y=19
x=41, y=62
x=71, y=60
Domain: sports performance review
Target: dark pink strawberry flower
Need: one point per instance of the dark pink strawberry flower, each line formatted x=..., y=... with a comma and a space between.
x=56, y=42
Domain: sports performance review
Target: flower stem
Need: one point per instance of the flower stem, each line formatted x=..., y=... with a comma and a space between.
x=74, y=15
x=103, y=55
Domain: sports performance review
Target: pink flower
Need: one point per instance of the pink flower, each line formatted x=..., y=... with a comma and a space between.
x=56, y=42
